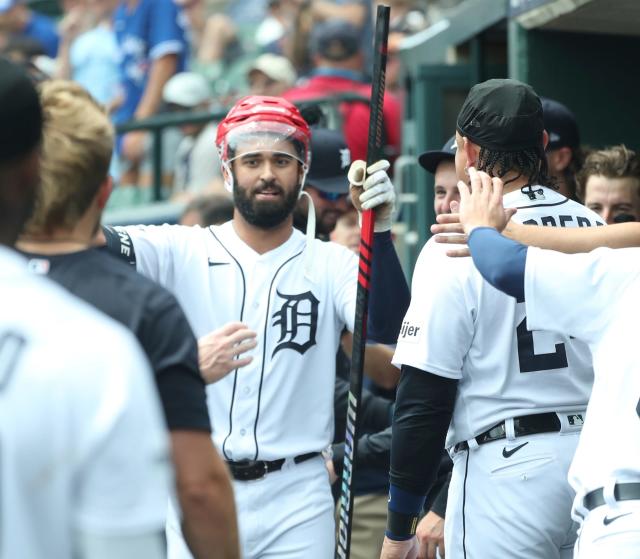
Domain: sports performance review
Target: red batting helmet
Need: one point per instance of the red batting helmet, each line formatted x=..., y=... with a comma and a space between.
x=267, y=119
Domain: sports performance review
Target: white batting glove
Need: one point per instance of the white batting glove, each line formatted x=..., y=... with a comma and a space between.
x=376, y=191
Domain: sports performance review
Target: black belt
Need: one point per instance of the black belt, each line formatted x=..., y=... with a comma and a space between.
x=621, y=491
x=522, y=426
x=249, y=470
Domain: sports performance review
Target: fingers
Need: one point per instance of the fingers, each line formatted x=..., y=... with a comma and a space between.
x=379, y=177
x=231, y=327
x=377, y=196
x=381, y=165
x=241, y=335
x=510, y=212
x=459, y=252
x=357, y=172
x=452, y=227
x=242, y=362
x=453, y=239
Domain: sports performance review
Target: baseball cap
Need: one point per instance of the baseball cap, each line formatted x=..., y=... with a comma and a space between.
x=329, y=162
x=561, y=125
x=431, y=159
x=186, y=89
x=502, y=115
x=277, y=68
x=20, y=112
x=334, y=39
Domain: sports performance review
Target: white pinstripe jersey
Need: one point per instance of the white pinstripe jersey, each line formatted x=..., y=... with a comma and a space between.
x=460, y=327
x=83, y=446
x=281, y=405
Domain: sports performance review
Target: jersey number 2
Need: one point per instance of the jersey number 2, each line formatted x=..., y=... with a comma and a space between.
x=529, y=361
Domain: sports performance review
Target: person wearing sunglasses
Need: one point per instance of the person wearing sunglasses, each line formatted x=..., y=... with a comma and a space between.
x=327, y=182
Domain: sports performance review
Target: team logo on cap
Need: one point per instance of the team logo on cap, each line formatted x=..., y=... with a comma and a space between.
x=298, y=322
x=345, y=158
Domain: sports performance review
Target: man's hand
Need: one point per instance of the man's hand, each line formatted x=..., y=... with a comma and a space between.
x=430, y=534
x=372, y=188
x=482, y=205
x=406, y=549
x=218, y=350
x=333, y=476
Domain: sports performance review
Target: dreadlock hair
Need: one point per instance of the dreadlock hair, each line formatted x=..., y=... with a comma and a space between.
x=529, y=162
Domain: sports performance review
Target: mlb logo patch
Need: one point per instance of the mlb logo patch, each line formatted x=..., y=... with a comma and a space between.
x=39, y=266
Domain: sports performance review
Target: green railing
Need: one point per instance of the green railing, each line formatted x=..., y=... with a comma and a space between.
x=156, y=125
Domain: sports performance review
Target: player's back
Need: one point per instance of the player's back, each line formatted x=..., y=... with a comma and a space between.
x=479, y=335
x=82, y=443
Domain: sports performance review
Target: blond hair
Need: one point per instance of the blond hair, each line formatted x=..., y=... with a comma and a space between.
x=76, y=153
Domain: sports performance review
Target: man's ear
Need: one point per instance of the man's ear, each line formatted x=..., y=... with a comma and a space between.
x=471, y=151
x=104, y=191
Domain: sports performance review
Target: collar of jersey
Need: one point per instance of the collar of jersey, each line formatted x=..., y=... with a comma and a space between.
x=246, y=254
x=518, y=199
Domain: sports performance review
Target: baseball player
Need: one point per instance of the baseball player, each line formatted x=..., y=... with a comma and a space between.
x=272, y=418
x=57, y=241
x=84, y=466
x=597, y=302
x=514, y=399
x=441, y=163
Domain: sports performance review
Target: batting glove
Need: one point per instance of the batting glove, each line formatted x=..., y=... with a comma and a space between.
x=374, y=191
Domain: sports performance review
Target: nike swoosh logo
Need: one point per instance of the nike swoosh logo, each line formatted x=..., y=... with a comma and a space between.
x=508, y=453
x=608, y=520
x=218, y=263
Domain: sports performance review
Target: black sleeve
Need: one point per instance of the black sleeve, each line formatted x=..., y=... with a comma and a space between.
x=172, y=349
x=424, y=406
x=389, y=296
x=119, y=244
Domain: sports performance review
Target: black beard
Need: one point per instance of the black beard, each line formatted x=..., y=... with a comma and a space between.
x=264, y=215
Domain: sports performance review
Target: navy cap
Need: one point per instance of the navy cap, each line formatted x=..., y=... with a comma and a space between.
x=502, y=115
x=330, y=160
x=20, y=113
x=431, y=159
x=560, y=124
x=334, y=39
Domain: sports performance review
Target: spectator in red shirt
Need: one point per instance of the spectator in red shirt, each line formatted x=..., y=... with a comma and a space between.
x=338, y=63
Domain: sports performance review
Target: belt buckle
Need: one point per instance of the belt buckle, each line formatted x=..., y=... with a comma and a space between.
x=249, y=470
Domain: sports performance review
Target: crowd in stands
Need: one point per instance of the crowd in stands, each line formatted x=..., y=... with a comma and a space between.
x=141, y=58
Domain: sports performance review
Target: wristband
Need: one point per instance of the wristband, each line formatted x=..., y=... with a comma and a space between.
x=401, y=526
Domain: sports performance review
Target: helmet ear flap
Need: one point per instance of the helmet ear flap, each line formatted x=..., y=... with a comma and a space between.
x=227, y=176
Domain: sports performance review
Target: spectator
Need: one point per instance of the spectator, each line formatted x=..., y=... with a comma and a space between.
x=16, y=19
x=326, y=184
x=152, y=43
x=88, y=51
x=271, y=74
x=197, y=166
x=338, y=63
x=564, y=155
x=211, y=209
x=442, y=165
x=609, y=184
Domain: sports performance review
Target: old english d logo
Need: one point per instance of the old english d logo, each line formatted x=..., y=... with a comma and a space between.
x=298, y=321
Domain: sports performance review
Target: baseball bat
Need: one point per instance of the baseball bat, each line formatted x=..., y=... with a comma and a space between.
x=374, y=151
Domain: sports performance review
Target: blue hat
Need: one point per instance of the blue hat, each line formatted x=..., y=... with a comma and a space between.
x=330, y=160
x=431, y=159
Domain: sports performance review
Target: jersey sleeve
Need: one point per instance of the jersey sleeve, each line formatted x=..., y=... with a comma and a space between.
x=438, y=328
x=165, y=34
x=122, y=446
x=345, y=286
x=576, y=294
x=150, y=248
x=172, y=349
